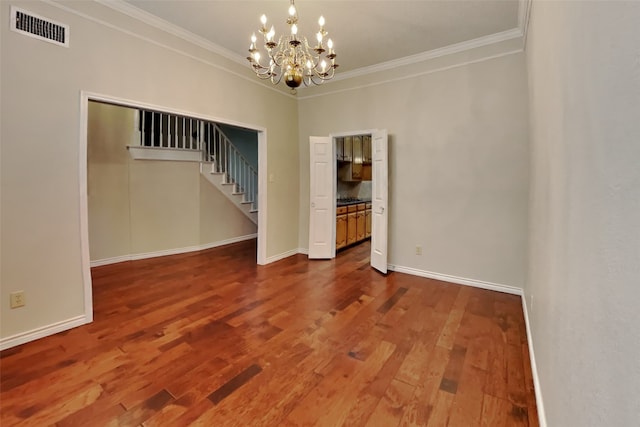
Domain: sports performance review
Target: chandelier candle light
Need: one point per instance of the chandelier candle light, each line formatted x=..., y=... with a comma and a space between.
x=292, y=56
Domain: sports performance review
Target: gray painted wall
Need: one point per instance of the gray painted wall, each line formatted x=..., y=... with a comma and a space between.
x=583, y=286
x=458, y=164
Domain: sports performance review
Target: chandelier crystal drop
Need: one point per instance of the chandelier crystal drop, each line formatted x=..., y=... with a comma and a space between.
x=291, y=57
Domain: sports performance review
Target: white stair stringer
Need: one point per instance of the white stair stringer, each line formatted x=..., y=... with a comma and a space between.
x=218, y=180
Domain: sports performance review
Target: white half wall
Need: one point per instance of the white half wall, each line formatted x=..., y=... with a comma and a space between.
x=583, y=287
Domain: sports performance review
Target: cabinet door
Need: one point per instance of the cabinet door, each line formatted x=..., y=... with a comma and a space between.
x=366, y=172
x=341, y=231
x=340, y=148
x=356, y=171
x=366, y=149
x=367, y=216
x=360, y=226
x=346, y=149
x=351, y=228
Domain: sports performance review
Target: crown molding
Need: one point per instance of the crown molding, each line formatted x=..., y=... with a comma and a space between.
x=431, y=54
x=159, y=23
x=199, y=58
x=524, y=11
x=152, y=20
x=413, y=75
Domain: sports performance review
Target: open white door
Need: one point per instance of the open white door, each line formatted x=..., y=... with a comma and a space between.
x=379, y=201
x=322, y=201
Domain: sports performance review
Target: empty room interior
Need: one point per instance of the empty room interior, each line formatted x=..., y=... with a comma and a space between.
x=314, y=212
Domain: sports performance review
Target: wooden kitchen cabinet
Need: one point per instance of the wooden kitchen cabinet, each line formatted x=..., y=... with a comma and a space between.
x=366, y=149
x=367, y=220
x=356, y=162
x=366, y=158
x=340, y=148
x=353, y=224
x=354, y=157
x=341, y=227
x=360, y=225
x=352, y=235
x=346, y=149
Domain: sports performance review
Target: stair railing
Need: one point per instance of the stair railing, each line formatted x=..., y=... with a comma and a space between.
x=164, y=130
x=230, y=162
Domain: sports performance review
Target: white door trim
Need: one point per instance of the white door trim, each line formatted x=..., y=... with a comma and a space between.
x=333, y=137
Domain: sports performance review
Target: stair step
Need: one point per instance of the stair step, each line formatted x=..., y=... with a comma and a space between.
x=246, y=202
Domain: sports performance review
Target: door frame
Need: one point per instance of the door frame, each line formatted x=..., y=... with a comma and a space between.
x=85, y=97
x=333, y=137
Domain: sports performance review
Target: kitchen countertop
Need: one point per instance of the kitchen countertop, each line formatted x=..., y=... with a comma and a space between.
x=352, y=202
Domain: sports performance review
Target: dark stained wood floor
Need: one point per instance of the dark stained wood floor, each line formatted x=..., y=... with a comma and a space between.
x=209, y=338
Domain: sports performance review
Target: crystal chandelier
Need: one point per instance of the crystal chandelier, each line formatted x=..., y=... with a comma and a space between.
x=292, y=57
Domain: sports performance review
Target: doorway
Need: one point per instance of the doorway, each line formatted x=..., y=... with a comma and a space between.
x=326, y=153
x=86, y=99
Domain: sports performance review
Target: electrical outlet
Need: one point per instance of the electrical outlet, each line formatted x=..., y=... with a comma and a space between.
x=418, y=250
x=16, y=299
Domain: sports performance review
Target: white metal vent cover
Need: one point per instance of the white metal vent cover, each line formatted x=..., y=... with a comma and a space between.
x=39, y=27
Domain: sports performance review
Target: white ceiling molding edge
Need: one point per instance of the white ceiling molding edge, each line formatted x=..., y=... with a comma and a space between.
x=152, y=20
x=524, y=12
x=431, y=54
x=413, y=75
x=198, y=58
x=156, y=22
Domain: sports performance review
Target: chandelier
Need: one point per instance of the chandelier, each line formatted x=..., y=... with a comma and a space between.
x=292, y=57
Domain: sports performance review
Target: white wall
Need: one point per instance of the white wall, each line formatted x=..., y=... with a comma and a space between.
x=583, y=289
x=458, y=161
x=40, y=109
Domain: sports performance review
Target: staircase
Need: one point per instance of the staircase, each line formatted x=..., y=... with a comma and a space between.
x=229, y=171
x=221, y=163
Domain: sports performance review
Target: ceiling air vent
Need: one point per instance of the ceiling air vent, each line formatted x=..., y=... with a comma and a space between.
x=39, y=27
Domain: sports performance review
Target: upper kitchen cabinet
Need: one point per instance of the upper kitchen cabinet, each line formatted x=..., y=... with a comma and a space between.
x=354, y=157
x=356, y=168
x=344, y=149
x=366, y=159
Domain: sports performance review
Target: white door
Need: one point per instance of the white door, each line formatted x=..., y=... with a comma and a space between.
x=379, y=201
x=322, y=201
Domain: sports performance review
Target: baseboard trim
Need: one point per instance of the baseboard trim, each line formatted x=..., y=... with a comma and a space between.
x=43, y=331
x=283, y=255
x=303, y=251
x=176, y=251
x=457, y=280
x=542, y=417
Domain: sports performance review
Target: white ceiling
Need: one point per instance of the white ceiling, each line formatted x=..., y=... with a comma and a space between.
x=365, y=33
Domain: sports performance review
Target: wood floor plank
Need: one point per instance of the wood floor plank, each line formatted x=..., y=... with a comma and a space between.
x=210, y=338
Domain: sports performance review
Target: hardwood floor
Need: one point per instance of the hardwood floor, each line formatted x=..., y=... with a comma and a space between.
x=209, y=338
